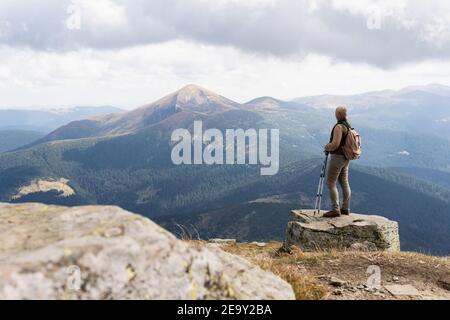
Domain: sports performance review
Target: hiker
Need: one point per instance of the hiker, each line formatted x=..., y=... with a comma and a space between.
x=338, y=165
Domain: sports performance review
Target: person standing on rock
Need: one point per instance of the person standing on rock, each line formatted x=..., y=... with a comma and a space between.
x=338, y=165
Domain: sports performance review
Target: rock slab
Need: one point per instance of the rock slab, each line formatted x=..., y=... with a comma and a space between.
x=402, y=290
x=355, y=231
x=103, y=252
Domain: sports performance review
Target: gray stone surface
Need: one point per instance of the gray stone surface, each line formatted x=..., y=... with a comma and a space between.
x=336, y=282
x=356, y=232
x=402, y=290
x=48, y=252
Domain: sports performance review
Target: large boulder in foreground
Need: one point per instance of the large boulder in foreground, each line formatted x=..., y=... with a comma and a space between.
x=356, y=231
x=99, y=252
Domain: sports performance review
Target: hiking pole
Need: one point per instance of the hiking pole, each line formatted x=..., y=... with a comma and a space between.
x=318, y=192
x=321, y=185
x=318, y=189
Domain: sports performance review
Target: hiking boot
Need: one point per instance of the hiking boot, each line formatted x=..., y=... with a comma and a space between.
x=345, y=212
x=332, y=214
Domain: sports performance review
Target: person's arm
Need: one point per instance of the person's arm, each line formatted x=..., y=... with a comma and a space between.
x=337, y=137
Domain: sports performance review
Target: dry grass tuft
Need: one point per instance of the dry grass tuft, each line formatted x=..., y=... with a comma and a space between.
x=285, y=265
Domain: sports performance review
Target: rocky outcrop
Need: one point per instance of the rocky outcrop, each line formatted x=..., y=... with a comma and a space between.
x=100, y=252
x=356, y=231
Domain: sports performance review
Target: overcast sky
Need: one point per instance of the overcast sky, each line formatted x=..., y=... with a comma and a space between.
x=131, y=52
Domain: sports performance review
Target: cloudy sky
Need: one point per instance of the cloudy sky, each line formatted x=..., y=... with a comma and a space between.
x=130, y=52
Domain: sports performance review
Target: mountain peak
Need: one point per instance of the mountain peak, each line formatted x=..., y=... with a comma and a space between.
x=265, y=100
x=195, y=94
x=192, y=87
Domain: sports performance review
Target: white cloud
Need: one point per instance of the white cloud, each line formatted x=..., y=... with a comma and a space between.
x=349, y=30
x=134, y=76
x=240, y=3
x=103, y=13
x=129, y=52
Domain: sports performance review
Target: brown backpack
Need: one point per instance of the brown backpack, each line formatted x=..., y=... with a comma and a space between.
x=352, y=145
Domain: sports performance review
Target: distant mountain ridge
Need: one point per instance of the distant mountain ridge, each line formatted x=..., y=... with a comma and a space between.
x=13, y=139
x=329, y=100
x=419, y=109
x=190, y=99
x=196, y=100
x=48, y=119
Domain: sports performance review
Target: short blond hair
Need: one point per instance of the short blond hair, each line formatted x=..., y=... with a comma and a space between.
x=341, y=113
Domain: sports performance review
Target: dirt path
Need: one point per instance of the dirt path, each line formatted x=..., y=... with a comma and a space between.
x=348, y=275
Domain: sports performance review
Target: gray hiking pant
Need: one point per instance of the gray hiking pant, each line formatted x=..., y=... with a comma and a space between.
x=338, y=171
